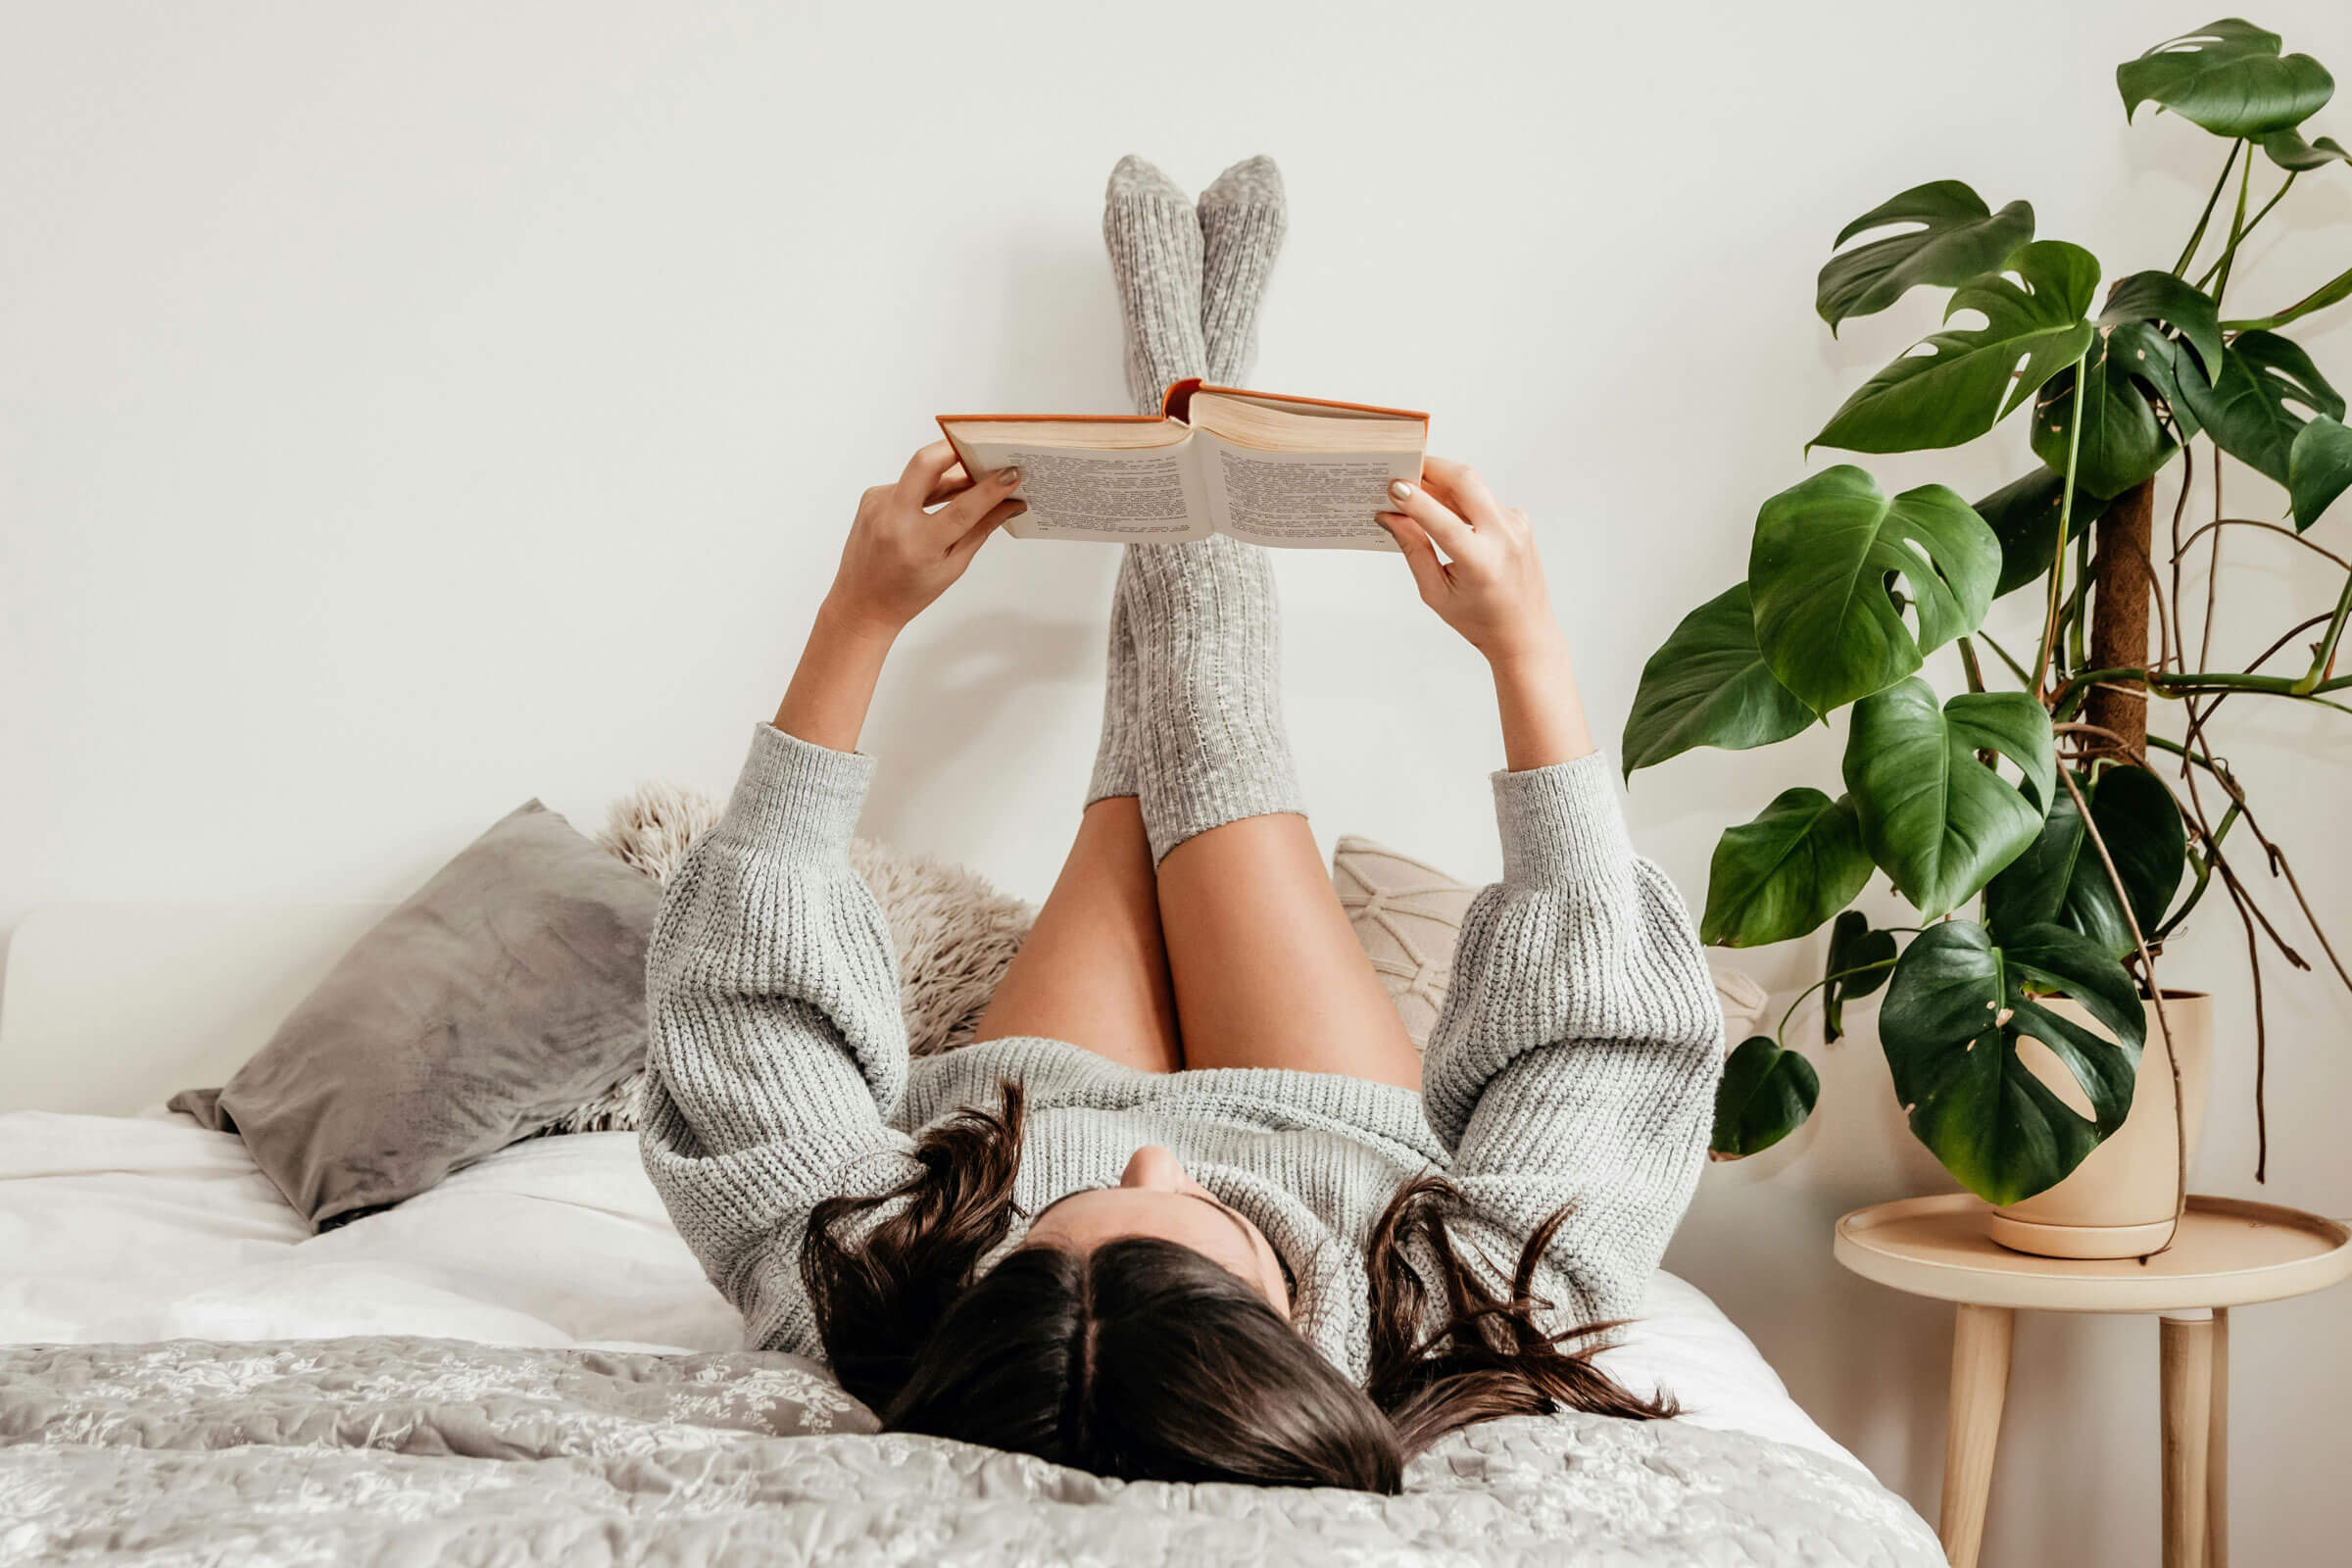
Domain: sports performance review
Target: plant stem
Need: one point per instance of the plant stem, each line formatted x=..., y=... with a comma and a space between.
x=2193, y=681
x=2237, y=231
x=2319, y=299
x=2325, y=654
x=2304, y=540
x=2066, y=518
x=1779, y=1031
x=2204, y=874
x=2015, y=668
x=1968, y=663
x=2284, y=188
x=2176, y=629
x=2198, y=236
x=2078, y=603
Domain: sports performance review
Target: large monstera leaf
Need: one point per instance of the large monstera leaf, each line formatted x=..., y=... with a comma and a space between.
x=1819, y=568
x=1935, y=819
x=1766, y=1093
x=1958, y=237
x=2244, y=406
x=2319, y=468
x=1708, y=685
x=1950, y=1025
x=2228, y=76
x=1779, y=876
x=1968, y=379
x=2061, y=880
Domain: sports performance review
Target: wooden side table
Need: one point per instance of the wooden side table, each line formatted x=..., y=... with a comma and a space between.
x=2229, y=1252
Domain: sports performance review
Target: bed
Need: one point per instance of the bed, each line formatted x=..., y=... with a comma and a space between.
x=525, y=1363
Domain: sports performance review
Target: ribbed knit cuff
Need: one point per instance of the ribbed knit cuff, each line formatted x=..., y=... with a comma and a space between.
x=797, y=799
x=1560, y=823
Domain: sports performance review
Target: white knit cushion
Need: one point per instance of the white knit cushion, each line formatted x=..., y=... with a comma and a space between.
x=1408, y=915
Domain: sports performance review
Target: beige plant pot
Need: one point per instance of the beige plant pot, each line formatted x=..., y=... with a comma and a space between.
x=2119, y=1201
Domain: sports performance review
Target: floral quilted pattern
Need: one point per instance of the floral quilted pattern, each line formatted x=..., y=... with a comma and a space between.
x=400, y=1450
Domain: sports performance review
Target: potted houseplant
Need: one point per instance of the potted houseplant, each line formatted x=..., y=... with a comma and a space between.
x=2049, y=839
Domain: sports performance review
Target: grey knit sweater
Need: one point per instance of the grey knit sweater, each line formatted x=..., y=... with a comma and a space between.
x=1574, y=1063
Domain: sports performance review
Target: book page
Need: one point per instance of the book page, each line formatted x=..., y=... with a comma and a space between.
x=1151, y=495
x=1302, y=500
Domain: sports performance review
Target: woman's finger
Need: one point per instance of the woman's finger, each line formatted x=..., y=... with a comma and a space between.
x=924, y=470
x=1428, y=573
x=1002, y=513
x=951, y=484
x=1452, y=533
x=964, y=512
x=1461, y=487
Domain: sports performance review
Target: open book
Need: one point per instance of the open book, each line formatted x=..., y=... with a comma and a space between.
x=1302, y=472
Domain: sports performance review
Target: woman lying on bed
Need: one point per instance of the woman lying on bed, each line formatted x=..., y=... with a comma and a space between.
x=1190, y=1208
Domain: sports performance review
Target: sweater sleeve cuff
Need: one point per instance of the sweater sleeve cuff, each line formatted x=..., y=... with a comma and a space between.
x=1560, y=823
x=797, y=796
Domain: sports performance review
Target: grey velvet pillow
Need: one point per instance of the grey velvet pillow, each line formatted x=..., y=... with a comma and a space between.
x=509, y=990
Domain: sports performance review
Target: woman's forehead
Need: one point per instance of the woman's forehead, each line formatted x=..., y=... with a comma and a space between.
x=1107, y=1213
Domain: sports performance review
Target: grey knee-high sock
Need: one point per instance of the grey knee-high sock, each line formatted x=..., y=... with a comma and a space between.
x=1243, y=218
x=1116, y=760
x=1156, y=249
x=1205, y=733
x=1155, y=255
x=1209, y=740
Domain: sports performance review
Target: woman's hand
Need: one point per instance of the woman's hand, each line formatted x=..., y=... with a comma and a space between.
x=1489, y=588
x=901, y=554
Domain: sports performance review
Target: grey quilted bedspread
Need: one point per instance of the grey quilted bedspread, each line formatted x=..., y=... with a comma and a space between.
x=398, y=1450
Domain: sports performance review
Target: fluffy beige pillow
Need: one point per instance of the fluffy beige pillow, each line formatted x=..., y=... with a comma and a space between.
x=954, y=934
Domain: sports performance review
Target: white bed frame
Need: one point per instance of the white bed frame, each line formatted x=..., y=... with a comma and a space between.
x=107, y=1009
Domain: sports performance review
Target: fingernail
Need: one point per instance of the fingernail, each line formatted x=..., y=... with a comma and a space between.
x=1401, y=490
x=1009, y=477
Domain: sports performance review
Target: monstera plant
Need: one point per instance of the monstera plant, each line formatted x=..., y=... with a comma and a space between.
x=2049, y=841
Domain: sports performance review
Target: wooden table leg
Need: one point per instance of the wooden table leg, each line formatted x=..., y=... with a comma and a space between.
x=1980, y=1340
x=2217, y=1449
x=2186, y=1355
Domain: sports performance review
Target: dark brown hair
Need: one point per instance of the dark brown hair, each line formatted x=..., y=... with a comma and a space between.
x=1145, y=1360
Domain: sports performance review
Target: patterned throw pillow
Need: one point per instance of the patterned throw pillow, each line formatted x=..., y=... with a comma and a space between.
x=1408, y=915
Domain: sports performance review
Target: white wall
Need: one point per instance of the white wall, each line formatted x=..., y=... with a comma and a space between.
x=405, y=411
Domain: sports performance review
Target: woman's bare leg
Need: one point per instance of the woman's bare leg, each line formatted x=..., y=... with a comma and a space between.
x=1267, y=972
x=1093, y=970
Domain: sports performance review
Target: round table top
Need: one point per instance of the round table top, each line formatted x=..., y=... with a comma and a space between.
x=2230, y=1251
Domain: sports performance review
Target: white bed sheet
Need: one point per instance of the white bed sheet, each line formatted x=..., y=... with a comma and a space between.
x=147, y=1227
